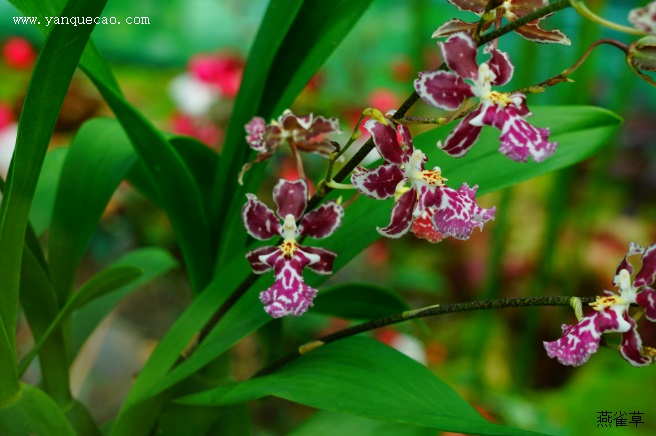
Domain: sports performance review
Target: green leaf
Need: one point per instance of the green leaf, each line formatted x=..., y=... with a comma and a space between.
x=101, y=284
x=46, y=190
x=362, y=377
x=358, y=301
x=581, y=131
x=325, y=423
x=98, y=159
x=31, y=412
x=154, y=262
x=50, y=79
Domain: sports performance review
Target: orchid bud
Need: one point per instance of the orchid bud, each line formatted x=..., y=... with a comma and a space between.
x=642, y=54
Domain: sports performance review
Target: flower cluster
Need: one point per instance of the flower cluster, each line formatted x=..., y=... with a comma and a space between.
x=304, y=133
x=611, y=314
x=511, y=10
x=452, y=213
x=289, y=295
x=505, y=111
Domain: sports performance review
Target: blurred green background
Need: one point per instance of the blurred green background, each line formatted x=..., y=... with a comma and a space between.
x=560, y=234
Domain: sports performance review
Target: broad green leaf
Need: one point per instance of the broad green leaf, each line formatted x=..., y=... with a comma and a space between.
x=325, y=423
x=46, y=190
x=154, y=262
x=31, y=412
x=318, y=28
x=362, y=377
x=358, y=301
x=98, y=159
x=101, y=284
x=50, y=79
x=581, y=131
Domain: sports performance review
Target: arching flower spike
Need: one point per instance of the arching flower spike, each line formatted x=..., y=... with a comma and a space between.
x=511, y=10
x=611, y=314
x=289, y=295
x=452, y=213
x=506, y=112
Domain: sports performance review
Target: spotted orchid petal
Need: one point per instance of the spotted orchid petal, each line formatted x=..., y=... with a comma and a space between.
x=534, y=33
x=255, y=134
x=631, y=346
x=454, y=26
x=442, y=89
x=581, y=340
x=427, y=197
x=323, y=221
x=260, y=221
x=405, y=139
x=401, y=219
x=647, y=299
x=475, y=6
x=290, y=198
x=254, y=256
x=289, y=295
x=458, y=214
x=459, y=53
x=624, y=263
x=521, y=8
x=647, y=274
x=423, y=228
x=379, y=183
x=500, y=65
x=386, y=141
x=461, y=139
x=324, y=265
x=644, y=18
x=519, y=139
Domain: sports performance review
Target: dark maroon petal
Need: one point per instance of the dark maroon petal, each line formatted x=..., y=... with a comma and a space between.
x=386, y=141
x=291, y=122
x=423, y=228
x=322, y=126
x=406, y=141
x=288, y=295
x=260, y=221
x=580, y=341
x=272, y=137
x=290, y=197
x=323, y=221
x=462, y=137
x=255, y=134
x=379, y=183
x=454, y=26
x=624, y=263
x=262, y=265
x=534, y=33
x=518, y=9
x=647, y=273
x=459, y=53
x=519, y=139
x=458, y=214
x=475, y=6
x=647, y=299
x=401, y=219
x=500, y=65
x=442, y=89
x=324, y=265
x=631, y=346
x=428, y=196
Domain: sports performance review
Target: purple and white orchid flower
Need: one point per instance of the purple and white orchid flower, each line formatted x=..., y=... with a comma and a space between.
x=611, y=314
x=644, y=18
x=303, y=133
x=453, y=213
x=505, y=111
x=511, y=10
x=289, y=295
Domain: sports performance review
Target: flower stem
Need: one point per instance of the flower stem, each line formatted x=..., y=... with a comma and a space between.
x=424, y=312
x=583, y=10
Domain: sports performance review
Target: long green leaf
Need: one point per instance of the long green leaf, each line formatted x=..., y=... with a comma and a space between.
x=98, y=159
x=31, y=412
x=325, y=423
x=50, y=79
x=46, y=190
x=363, y=377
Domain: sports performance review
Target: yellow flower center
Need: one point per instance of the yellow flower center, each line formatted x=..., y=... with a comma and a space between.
x=288, y=248
x=433, y=177
x=606, y=301
x=500, y=98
